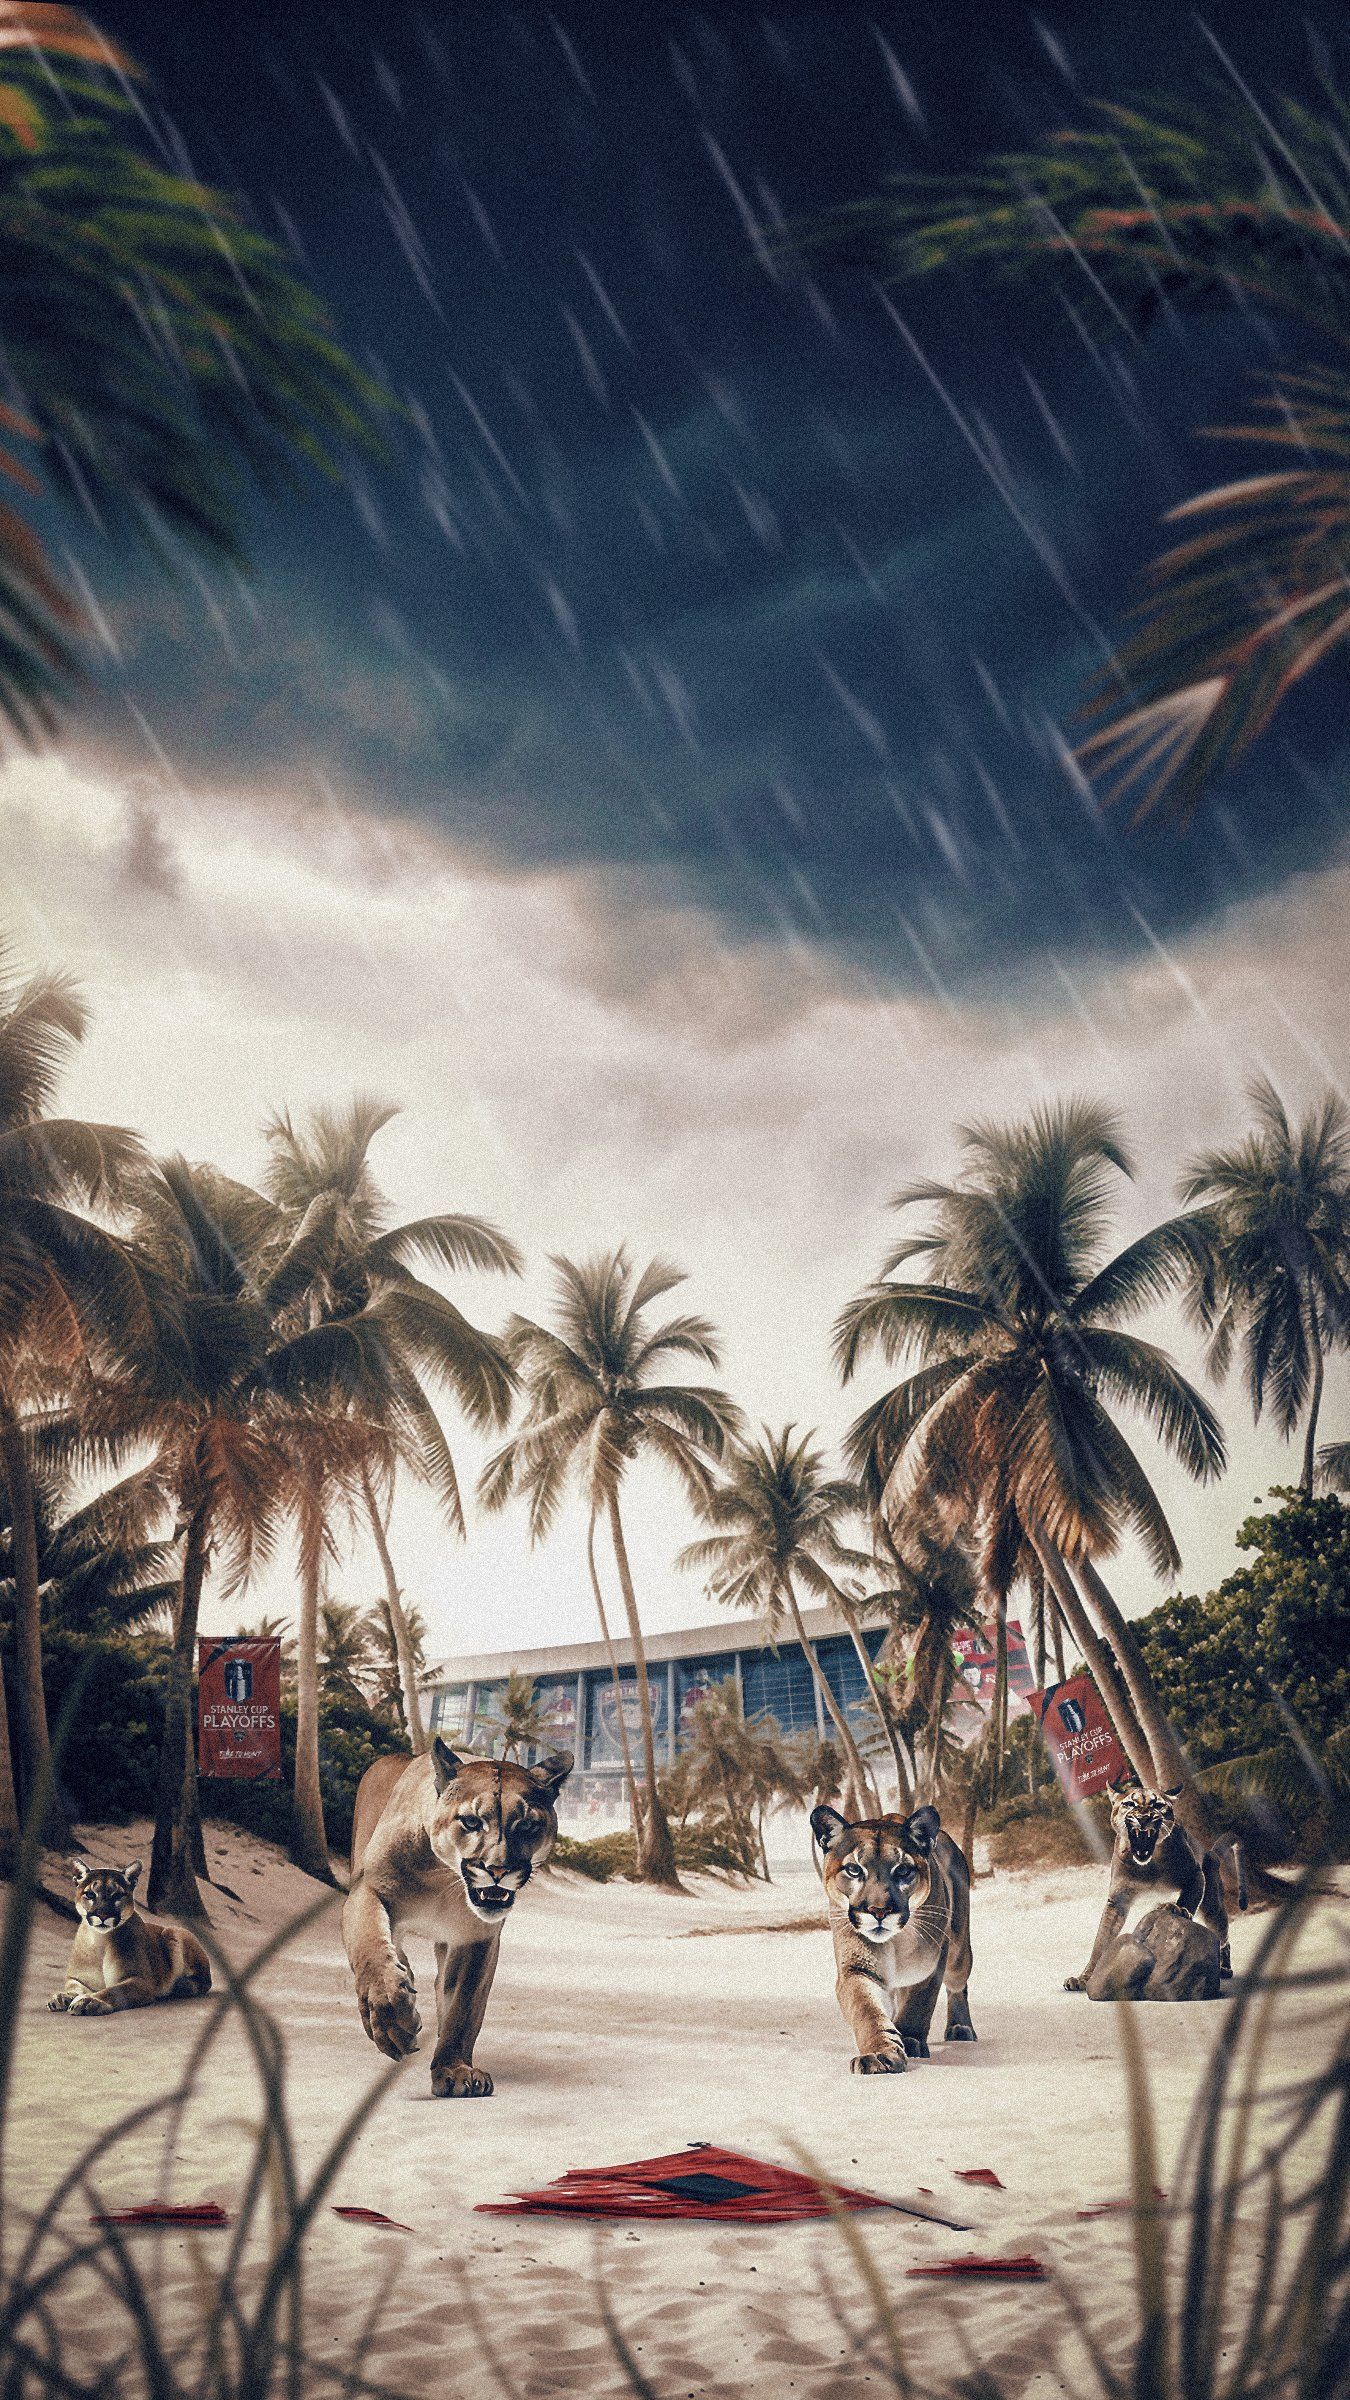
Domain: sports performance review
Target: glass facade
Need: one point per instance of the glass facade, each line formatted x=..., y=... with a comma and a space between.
x=602, y=1716
x=779, y=1684
x=774, y=1683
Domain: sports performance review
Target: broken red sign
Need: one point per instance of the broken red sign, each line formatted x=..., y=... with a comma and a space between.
x=165, y=2212
x=371, y=2216
x=1079, y=1737
x=983, y=2175
x=1022, y=2269
x=698, y=2182
x=239, y=1708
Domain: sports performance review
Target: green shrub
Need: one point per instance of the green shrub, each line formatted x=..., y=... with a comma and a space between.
x=610, y=1855
x=110, y=1766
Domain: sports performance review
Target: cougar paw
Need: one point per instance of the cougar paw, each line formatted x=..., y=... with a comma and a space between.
x=389, y=2012
x=915, y=2045
x=960, y=2033
x=460, y=2082
x=879, y=2062
x=59, y=2000
x=1075, y=1983
x=1225, y=1966
x=90, y=2004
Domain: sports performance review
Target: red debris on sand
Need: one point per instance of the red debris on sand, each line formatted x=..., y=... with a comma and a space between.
x=983, y=2175
x=701, y=2181
x=1118, y=2208
x=1000, y=2270
x=371, y=2216
x=165, y=2212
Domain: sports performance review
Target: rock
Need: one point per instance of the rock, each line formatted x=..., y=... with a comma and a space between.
x=1166, y=1956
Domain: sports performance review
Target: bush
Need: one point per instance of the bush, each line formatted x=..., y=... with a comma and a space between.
x=1280, y=1626
x=611, y=1855
x=110, y=1767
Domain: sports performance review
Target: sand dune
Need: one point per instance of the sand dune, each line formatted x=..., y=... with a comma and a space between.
x=614, y=2034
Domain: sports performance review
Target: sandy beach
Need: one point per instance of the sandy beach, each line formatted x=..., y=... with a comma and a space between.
x=625, y=2024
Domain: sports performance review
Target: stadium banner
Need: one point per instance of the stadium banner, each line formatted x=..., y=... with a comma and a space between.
x=1079, y=1737
x=976, y=1661
x=239, y=1708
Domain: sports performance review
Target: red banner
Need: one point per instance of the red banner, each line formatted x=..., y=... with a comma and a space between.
x=1079, y=1737
x=239, y=1708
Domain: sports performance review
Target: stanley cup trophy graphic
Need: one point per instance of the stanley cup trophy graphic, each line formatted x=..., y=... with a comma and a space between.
x=239, y=1679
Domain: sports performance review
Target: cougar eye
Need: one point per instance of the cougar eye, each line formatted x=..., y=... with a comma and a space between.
x=854, y=1872
x=472, y=1824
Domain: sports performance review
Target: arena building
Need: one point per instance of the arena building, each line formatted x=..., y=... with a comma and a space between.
x=575, y=1690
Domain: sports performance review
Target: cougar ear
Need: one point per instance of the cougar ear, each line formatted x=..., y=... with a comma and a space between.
x=129, y=1874
x=445, y=1765
x=827, y=1827
x=920, y=1831
x=552, y=1772
x=79, y=1872
x=1175, y=1793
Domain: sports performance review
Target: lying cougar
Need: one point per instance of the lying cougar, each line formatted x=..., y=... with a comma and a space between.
x=120, y=1959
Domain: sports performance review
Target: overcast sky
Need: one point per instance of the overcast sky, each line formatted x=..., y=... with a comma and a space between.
x=656, y=776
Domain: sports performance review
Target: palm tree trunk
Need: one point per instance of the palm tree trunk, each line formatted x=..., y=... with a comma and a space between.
x=858, y=1787
x=1037, y=1581
x=621, y=1721
x=309, y=1836
x=656, y=1850
x=999, y=1728
x=393, y=1599
x=1115, y=1698
x=173, y=1885
x=192, y=1798
x=904, y=1783
x=9, y=1804
x=34, y=1739
x=1056, y=1636
x=1315, y=1405
x=1171, y=1771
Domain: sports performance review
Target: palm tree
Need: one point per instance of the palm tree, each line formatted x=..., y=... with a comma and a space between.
x=1024, y=1357
x=67, y=1289
x=220, y=1386
x=519, y=1722
x=105, y=1563
x=1273, y=1276
x=933, y=1595
x=100, y=1569
x=734, y=1769
x=155, y=344
x=387, y=1668
x=344, y=1653
x=777, y=1514
x=593, y=1407
x=1154, y=212
x=320, y=1178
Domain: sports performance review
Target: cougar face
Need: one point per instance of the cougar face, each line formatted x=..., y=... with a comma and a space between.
x=879, y=1870
x=494, y=1823
x=104, y=1895
x=1140, y=1820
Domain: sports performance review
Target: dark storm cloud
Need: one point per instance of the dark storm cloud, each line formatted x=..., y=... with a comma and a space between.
x=687, y=561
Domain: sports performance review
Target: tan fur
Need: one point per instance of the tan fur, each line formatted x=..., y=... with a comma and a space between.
x=436, y=1844
x=1154, y=1856
x=121, y=1959
x=899, y=1898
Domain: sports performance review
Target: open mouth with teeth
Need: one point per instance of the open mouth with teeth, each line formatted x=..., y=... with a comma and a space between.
x=489, y=1899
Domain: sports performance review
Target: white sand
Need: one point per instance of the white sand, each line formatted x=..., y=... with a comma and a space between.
x=624, y=2024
